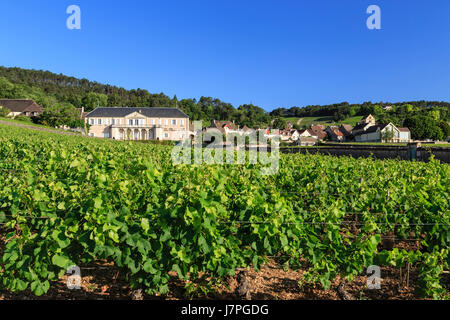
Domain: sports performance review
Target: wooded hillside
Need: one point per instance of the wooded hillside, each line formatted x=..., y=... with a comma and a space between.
x=56, y=92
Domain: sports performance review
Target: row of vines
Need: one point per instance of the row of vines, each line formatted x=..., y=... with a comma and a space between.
x=68, y=201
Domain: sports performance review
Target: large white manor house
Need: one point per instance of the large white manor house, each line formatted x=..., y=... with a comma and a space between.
x=124, y=123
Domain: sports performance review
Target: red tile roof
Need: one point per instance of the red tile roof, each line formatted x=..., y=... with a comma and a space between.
x=317, y=131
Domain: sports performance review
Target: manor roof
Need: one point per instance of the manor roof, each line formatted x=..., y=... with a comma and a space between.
x=106, y=112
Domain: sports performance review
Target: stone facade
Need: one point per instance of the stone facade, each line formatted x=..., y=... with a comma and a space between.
x=139, y=124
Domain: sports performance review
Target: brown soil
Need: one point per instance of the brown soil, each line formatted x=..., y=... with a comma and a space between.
x=271, y=282
x=102, y=281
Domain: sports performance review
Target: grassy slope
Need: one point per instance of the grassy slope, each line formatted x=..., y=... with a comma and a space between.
x=323, y=120
x=31, y=124
x=28, y=123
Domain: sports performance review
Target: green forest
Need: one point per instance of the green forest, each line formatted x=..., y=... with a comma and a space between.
x=59, y=95
x=60, y=92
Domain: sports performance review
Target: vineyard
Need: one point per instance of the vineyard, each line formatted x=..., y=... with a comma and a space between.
x=68, y=201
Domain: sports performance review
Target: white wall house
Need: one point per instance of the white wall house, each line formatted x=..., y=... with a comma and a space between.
x=377, y=133
x=405, y=135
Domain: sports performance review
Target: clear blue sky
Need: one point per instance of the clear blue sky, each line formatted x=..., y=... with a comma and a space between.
x=271, y=53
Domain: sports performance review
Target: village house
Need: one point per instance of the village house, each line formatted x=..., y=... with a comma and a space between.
x=346, y=130
x=318, y=131
x=295, y=134
x=405, y=134
x=379, y=133
x=289, y=135
x=307, y=141
x=21, y=107
x=306, y=133
x=365, y=123
x=334, y=133
x=299, y=137
x=124, y=123
x=368, y=131
x=270, y=133
x=285, y=135
x=224, y=126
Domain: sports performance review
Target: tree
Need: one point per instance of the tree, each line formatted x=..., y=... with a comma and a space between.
x=377, y=110
x=436, y=133
x=338, y=116
x=4, y=111
x=253, y=115
x=278, y=112
x=6, y=88
x=93, y=100
x=279, y=123
x=60, y=114
x=416, y=126
x=445, y=129
x=435, y=114
x=387, y=135
x=354, y=110
x=424, y=127
x=114, y=100
x=407, y=108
